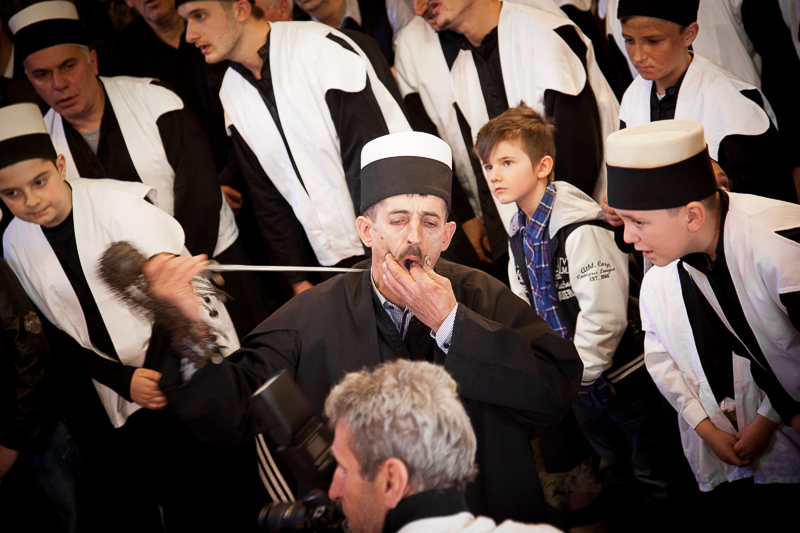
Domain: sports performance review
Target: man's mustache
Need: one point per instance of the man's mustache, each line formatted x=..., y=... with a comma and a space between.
x=411, y=250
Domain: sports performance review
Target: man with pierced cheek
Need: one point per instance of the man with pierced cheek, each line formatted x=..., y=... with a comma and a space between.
x=513, y=371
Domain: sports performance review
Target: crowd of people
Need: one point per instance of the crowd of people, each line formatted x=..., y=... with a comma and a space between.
x=547, y=250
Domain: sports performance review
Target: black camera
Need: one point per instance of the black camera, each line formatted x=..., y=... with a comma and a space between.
x=304, y=444
x=315, y=513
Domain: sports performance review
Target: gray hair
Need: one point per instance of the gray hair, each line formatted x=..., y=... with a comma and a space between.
x=410, y=411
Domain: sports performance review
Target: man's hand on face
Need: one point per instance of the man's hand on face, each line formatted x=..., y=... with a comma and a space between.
x=170, y=280
x=427, y=294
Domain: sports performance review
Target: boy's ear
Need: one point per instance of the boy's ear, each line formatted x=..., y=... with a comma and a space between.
x=695, y=216
x=545, y=167
x=690, y=33
x=61, y=166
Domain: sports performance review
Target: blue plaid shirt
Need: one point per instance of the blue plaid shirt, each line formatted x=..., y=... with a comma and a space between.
x=535, y=239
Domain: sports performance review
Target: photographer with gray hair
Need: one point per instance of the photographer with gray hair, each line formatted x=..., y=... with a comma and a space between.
x=405, y=450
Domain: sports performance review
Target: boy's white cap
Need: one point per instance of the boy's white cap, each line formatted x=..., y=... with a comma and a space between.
x=658, y=165
x=23, y=135
x=44, y=25
x=409, y=162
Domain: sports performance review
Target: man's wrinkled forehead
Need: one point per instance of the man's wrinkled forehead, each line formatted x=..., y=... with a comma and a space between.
x=426, y=204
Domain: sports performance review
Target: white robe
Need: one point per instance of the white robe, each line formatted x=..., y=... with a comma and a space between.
x=305, y=65
x=672, y=359
x=104, y=211
x=709, y=94
x=138, y=104
x=533, y=58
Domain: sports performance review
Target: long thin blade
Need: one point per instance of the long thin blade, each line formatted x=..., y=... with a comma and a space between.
x=270, y=268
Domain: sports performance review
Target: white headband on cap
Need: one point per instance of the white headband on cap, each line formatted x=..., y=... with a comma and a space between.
x=21, y=119
x=408, y=143
x=42, y=11
x=655, y=144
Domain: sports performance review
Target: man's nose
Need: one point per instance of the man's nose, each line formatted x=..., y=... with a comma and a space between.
x=414, y=229
x=191, y=34
x=335, y=490
x=59, y=81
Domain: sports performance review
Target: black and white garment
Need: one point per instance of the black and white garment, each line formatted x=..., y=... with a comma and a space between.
x=534, y=56
x=753, y=288
x=298, y=133
x=674, y=359
x=740, y=128
x=103, y=212
x=147, y=136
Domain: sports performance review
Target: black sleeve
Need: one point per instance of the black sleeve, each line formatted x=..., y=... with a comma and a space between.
x=377, y=58
x=753, y=165
x=112, y=374
x=417, y=116
x=282, y=234
x=26, y=375
x=757, y=164
x=198, y=198
x=772, y=39
x=791, y=300
x=578, y=138
x=215, y=402
x=358, y=119
x=504, y=354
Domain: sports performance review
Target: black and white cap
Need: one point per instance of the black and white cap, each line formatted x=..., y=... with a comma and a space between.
x=682, y=12
x=659, y=165
x=44, y=25
x=23, y=135
x=405, y=163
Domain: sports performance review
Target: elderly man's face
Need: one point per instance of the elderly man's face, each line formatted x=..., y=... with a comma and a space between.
x=361, y=499
x=65, y=76
x=411, y=227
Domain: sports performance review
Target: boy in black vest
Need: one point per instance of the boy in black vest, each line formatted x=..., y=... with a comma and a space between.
x=571, y=271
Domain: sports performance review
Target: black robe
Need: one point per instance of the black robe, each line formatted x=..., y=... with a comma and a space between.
x=513, y=372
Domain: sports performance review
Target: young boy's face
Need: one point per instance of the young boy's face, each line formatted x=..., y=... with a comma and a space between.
x=35, y=191
x=657, y=48
x=658, y=234
x=513, y=177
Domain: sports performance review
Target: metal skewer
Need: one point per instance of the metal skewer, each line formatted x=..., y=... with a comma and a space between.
x=269, y=268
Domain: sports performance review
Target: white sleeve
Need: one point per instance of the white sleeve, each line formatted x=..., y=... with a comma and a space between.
x=598, y=273
x=662, y=366
x=669, y=380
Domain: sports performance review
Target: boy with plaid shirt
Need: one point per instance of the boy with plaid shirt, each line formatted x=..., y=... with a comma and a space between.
x=571, y=270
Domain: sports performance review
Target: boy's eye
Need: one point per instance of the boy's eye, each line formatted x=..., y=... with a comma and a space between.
x=508, y=163
x=487, y=168
x=638, y=224
x=10, y=194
